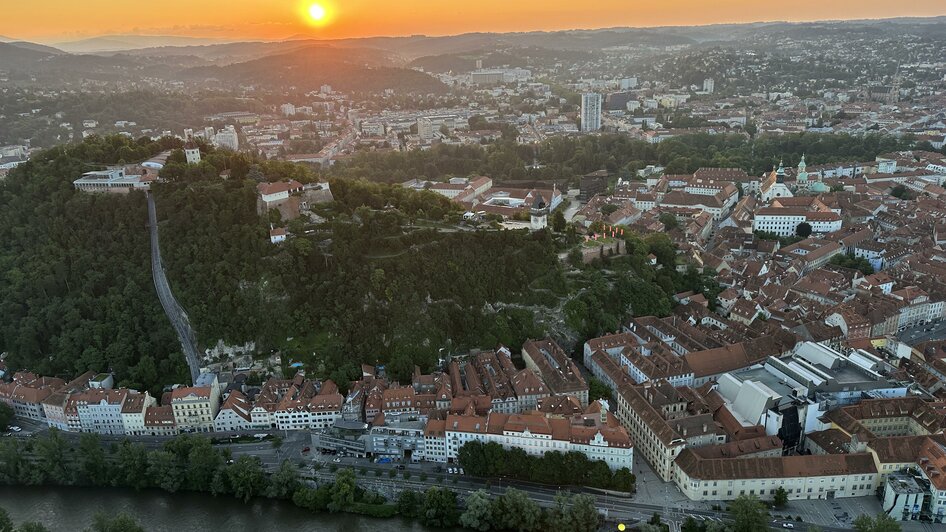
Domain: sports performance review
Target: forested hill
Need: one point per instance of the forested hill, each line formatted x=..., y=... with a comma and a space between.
x=389, y=278
x=75, y=278
x=310, y=68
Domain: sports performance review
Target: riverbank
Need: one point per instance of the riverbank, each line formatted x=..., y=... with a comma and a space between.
x=67, y=509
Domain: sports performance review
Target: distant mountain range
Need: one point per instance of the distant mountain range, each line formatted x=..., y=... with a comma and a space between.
x=346, y=69
x=117, y=43
x=383, y=62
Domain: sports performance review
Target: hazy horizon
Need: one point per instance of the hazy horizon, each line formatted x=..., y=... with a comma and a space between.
x=60, y=21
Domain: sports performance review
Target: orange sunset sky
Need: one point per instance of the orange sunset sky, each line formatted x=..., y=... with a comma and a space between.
x=61, y=20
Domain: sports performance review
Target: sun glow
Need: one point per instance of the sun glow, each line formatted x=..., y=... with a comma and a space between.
x=317, y=12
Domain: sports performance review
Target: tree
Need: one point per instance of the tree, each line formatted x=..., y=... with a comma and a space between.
x=803, y=230
x=691, y=525
x=164, y=471
x=343, y=490
x=781, y=497
x=246, y=477
x=478, y=513
x=748, y=514
x=6, y=415
x=31, y=526
x=879, y=523
x=202, y=464
x=6, y=524
x=598, y=390
x=315, y=500
x=284, y=482
x=122, y=522
x=409, y=503
x=624, y=480
x=440, y=508
x=92, y=466
x=583, y=514
x=558, y=221
x=51, y=458
x=669, y=220
x=902, y=192
x=514, y=510
x=132, y=466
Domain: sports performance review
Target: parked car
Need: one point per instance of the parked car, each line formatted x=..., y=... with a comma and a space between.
x=451, y=470
x=460, y=470
x=14, y=428
x=337, y=460
x=305, y=449
x=788, y=525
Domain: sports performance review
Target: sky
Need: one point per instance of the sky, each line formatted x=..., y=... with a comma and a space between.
x=53, y=21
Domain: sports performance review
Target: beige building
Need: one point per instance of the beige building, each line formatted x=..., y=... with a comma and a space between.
x=195, y=408
x=662, y=421
x=802, y=477
x=133, y=413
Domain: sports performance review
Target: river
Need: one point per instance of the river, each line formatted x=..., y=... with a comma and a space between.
x=71, y=509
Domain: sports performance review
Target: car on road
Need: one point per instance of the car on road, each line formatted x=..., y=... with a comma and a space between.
x=14, y=428
x=401, y=466
x=337, y=460
x=788, y=525
x=230, y=461
x=306, y=449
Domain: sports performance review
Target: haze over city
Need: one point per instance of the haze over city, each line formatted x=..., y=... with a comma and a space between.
x=52, y=21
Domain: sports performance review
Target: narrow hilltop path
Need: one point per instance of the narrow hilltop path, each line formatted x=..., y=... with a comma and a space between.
x=172, y=308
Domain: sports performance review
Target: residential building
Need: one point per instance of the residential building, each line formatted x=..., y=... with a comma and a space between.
x=133, y=413
x=590, y=112
x=557, y=370
x=195, y=408
x=100, y=410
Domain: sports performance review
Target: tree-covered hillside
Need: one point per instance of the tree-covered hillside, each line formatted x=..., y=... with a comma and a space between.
x=75, y=276
x=387, y=276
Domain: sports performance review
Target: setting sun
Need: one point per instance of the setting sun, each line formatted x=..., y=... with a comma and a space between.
x=317, y=12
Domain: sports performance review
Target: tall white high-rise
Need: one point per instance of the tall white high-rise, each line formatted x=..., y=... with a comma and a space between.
x=227, y=138
x=709, y=85
x=590, y=111
x=425, y=128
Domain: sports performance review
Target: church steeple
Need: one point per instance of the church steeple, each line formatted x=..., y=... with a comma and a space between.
x=802, y=177
x=780, y=173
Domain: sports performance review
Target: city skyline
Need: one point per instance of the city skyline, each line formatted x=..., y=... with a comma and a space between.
x=62, y=21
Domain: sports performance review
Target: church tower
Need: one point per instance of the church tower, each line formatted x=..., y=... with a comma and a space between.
x=539, y=213
x=802, y=178
x=780, y=173
x=192, y=153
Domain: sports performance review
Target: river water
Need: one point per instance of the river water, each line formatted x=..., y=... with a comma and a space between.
x=71, y=509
